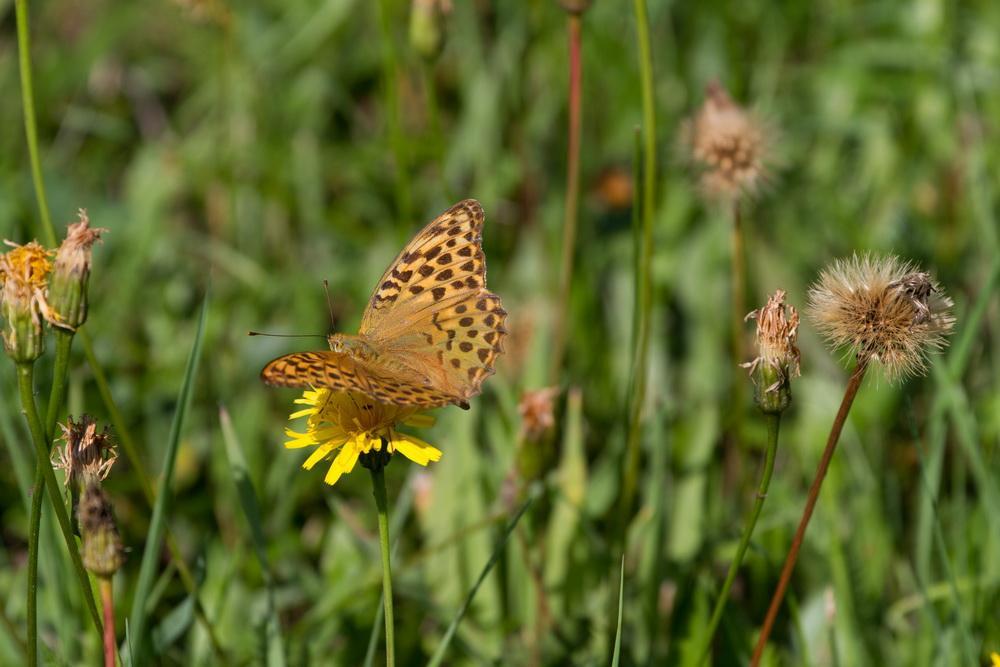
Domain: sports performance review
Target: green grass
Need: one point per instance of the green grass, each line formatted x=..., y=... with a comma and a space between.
x=267, y=152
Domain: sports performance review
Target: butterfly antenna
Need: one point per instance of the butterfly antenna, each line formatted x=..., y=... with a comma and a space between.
x=282, y=335
x=329, y=304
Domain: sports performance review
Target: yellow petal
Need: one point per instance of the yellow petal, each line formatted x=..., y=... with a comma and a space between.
x=302, y=413
x=415, y=449
x=343, y=464
x=319, y=454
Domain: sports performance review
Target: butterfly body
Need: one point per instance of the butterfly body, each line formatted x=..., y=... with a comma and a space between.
x=431, y=332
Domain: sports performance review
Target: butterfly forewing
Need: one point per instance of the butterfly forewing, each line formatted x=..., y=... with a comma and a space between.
x=335, y=370
x=434, y=328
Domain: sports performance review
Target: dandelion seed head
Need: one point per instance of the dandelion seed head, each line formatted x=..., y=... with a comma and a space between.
x=884, y=310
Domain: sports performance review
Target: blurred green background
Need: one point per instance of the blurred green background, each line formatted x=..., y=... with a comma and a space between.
x=250, y=150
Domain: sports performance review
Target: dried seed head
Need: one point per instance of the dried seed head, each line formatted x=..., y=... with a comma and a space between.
x=883, y=309
x=71, y=272
x=87, y=455
x=778, y=357
x=729, y=146
x=102, y=551
x=24, y=271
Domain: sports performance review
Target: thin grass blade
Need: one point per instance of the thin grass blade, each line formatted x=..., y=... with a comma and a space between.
x=251, y=509
x=139, y=615
x=617, y=654
x=449, y=634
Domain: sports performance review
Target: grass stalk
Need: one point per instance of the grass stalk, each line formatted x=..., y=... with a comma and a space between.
x=382, y=507
x=644, y=283
x=572, y=203
x=25, y=382
x=108, y=602
x=739, y=310
x=793, y=552
x=34, y=537
x=30, y=128
x=773, y=425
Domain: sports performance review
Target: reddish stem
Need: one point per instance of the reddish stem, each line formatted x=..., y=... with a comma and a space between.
x=793, y=553
x=572, y=194
x=107, y=600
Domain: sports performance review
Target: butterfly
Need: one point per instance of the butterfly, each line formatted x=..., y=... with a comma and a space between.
x=431, y=332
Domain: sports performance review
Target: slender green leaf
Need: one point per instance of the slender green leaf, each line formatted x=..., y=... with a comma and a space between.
x=449, y=634
x=617, y=654
x=251, y=510
x=139, y=614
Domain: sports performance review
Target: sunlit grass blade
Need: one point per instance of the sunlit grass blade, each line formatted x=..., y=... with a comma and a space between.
x=617, y=654
x=449, y=634
x=251, y=510
x=139, y=615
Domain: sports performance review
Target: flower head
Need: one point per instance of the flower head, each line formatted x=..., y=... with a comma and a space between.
x=344, y=426
x=730, y=147
x=778, y=357
x=884, y=309
x=71, y=272
x=24, y=271
x=87, y=455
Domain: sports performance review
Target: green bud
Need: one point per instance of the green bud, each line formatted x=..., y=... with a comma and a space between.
x=102, y=551
x=771, y=389
x=71, y=273
x=426, y=22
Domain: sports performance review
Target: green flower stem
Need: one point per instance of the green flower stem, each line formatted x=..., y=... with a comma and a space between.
x=25, y=382
x=64, y=342
x=30, y=130
x=739, y=310
x=34, y=533
x=773, y=424
x=381, y=504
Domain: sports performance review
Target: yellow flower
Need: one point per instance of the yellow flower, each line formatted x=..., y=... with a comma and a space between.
x=24, y=273
x=995, y=658
x=346, y=425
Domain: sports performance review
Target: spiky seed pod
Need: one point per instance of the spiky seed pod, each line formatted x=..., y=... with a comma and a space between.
x=102, y=552
x=885, y=310
x=24, y=271
x=778, y=356
x=71, y=273
x=730, y=147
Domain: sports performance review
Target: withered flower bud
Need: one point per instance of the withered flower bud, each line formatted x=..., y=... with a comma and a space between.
x=87, y=456
x=778, y=357
x=102, y=552
x=68, y=283
x=24, y=271
x=535, y=453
